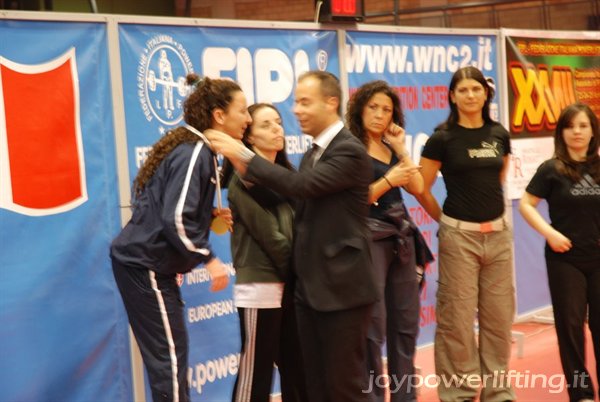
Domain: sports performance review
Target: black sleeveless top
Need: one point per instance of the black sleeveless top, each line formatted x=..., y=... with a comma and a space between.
x=392, y=196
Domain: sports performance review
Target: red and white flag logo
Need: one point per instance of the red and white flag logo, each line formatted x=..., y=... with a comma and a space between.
x=42, y=170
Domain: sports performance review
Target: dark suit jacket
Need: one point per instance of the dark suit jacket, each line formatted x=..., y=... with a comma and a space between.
x=331, y=254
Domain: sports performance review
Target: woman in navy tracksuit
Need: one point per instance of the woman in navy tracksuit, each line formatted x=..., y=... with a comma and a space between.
x=168, y=232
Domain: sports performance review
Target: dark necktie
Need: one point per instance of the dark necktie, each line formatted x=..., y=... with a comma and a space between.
x=311, y=157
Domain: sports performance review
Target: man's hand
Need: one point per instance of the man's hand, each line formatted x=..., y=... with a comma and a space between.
x=229, y=147
x=224, y=144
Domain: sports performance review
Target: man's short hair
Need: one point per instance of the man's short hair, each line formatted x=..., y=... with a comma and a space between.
x=329, y=84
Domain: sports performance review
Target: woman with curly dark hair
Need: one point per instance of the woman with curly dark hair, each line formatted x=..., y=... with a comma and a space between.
x=374, y=116
x=570, y=183
x=168, y=232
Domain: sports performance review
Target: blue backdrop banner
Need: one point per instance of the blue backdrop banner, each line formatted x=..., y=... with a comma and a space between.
x=266, y=63
x=420, y=67
x=64, y=332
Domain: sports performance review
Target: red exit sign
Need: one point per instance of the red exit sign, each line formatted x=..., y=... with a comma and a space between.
x=341, y=10
x=347, y=8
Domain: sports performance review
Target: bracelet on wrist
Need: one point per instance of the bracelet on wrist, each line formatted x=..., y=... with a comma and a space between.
x=387, y=181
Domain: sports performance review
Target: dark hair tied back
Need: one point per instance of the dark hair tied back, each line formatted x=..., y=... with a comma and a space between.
x=206, y=95
x=193, y=80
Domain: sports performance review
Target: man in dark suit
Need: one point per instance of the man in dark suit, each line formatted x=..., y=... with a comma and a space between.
x=335, y=288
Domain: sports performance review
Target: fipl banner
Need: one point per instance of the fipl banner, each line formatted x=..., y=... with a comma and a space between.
x=266, y=63
x=420, y=67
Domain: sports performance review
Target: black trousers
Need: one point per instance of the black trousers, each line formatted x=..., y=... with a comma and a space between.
x=334, y=350
x=270, y=336
x=260, y=329
x=575, y=287
x=395, y=318
x=155, y=311
x=290, y=361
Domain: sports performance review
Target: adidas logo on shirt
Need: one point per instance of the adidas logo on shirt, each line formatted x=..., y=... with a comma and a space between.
x=586, y=186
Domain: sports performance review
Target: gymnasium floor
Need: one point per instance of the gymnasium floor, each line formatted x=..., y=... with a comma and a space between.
x=540, y=361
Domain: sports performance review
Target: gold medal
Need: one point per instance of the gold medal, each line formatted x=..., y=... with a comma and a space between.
x=219, y=226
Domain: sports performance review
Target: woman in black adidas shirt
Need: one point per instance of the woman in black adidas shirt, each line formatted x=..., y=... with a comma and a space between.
x=475, y=244
x=570, y=183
